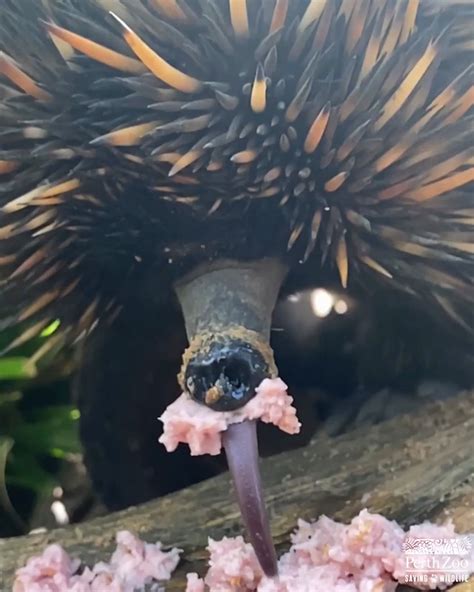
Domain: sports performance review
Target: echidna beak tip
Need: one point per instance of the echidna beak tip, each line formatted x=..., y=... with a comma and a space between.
x=240, y=443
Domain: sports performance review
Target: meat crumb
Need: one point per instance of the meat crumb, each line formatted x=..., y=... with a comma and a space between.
x=188, y=422
x=133, y=565
x=367, y=555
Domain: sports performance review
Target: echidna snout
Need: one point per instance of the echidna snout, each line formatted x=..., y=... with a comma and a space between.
x=227, y=308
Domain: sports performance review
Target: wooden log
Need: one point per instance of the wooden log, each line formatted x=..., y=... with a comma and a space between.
x=411, y=468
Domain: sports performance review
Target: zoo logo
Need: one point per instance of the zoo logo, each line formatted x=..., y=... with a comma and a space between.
x=461, y=545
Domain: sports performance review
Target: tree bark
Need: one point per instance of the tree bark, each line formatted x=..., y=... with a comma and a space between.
x=411, y=468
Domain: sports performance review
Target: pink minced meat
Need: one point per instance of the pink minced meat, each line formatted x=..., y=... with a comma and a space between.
x=49, y=572
x=133, y=565
x=188, y=422
x=364, y=556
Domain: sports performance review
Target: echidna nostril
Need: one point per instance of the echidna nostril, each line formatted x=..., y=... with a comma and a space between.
x=226, y=375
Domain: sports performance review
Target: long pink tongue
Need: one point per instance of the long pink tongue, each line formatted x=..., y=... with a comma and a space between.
x=241, y=446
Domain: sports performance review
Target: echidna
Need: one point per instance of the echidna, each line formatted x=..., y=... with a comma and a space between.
x=228, y=147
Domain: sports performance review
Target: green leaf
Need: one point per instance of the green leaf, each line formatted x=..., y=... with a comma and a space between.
x=17, y=368
x=25, y=471
x=53, y=431
x=6, y=444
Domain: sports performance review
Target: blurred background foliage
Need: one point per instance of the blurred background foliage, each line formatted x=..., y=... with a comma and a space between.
x=38, y=425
